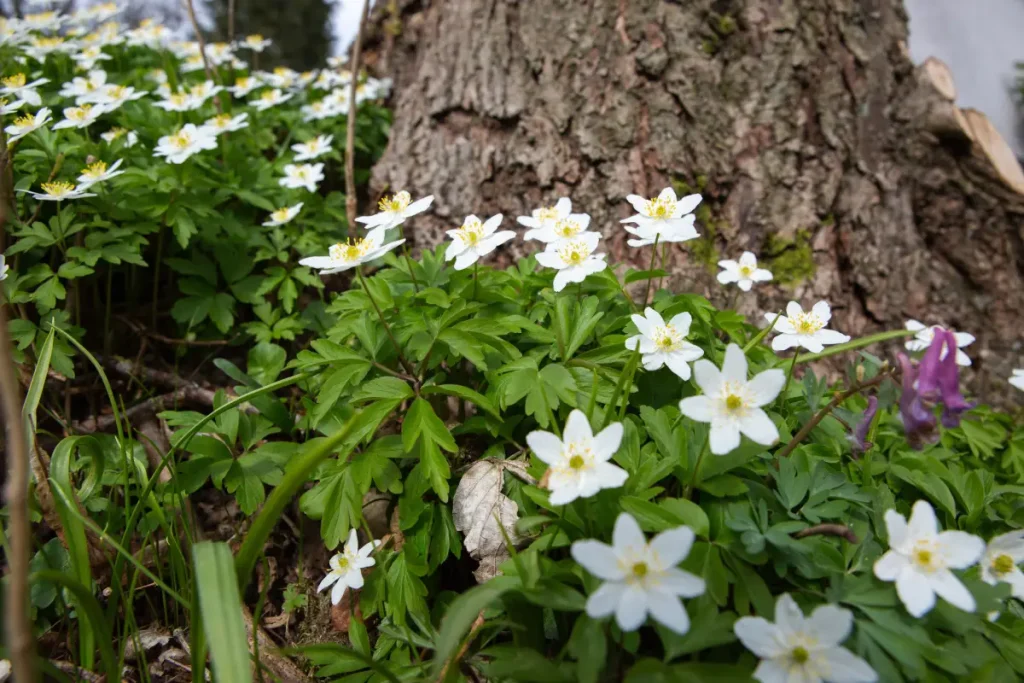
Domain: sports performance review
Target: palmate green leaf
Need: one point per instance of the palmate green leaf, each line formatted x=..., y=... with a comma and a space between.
x=406, y=591
x=465, y=393
x=423, y=426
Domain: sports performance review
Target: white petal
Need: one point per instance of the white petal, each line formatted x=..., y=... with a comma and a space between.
x=725, y=437
x=466, y=259
x=1011, y=543
x=546, y=446
x=667, y=193
x=748, y=259
x=678, y=366
x=699, y=408
x=632, y=610
x=845, y=667
x=577, y=428
x=643, y=325
x=810, y=343
x=673, y=545
x=563, y=206
x=761, y=275
x=354, y=579
x=822, y=310
x=829, y=337
x=960, y=549
x=689, y=203
x=609, y=476
x=337, y=592
x=734, y=368
x=922, y=522
x=963, y=339
x=745, y=285
x=455, y=248
x=627, y=538
x=352, y=544
x=564, y=491
x=949, y=588
x=317, y=262
x=682, y=583
x=758, y=427
x=914, y=325
x=707, y=377
x=529, y=222
x=654, y=318
x=419, y=206
x=605, y=600
x=597, y=558
x=766, y=386
x=793, y=309
x=668, y=610
x=896, y=527
x=915, y=592
x=760, y=636
x=492, y=223
x=788, y=616
x=638, y=202
x=607, y=441
x=776, y=671
x=564, y=277
x=830, y=624
x=550, y=259
x=328, y=580
x=489, y=244
x=682, y=322
x=727, y=277
x=890, y=565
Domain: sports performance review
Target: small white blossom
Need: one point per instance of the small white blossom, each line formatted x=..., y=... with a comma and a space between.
x=664, y=343
x=23, y=125
x=733, y=404
x=640, y=578
x=256, y=42
x=474, y=240
x=184, y=143
x=98, y=172
x=347, y=567
x=1017, y=379
x=111, y=97
x=545, y=217
x=219, y=53
x=270, y=98
x=924, y=335
x=393, y=211
x=562, y=230
x=343, y=256
x=40, y=47
x=283, y=215
x=244, y=85
x=799, y=649
x=921, y=558
x=226, y=123
x=281, y=77
x=662, y=219
x=59, y=191
x=130, y=136
x=9, y=107
x=578, y=463
x=80, y=117
x=743, y=272
x=178, y=101
x=318, y=146
x=807, y=330
x=4, y=268
x=19, y=87
x=999, y=562
x=302, y=175
x=87, y=57
x=84, y=89
x=204, y=91
x=573, y=259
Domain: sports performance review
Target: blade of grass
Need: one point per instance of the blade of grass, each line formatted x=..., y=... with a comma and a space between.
x=342, y=651
x=855, y=344
x=221, y=610
x=86, y=605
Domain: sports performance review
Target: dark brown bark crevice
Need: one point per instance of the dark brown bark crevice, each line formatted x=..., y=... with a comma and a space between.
x=800, y=120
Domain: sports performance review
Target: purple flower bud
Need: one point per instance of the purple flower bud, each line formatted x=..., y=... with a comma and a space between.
x=919, y=423
x=859, y=438
x=953, y=402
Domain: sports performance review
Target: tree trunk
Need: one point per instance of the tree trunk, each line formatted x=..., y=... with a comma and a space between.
x=815, y=143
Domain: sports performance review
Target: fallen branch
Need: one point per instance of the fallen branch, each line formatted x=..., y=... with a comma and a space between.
x=454, y=661
x=839, y=530
x=139, y=328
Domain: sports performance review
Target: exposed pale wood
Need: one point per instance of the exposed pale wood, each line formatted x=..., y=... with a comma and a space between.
x=996, y=149
x=941, y=77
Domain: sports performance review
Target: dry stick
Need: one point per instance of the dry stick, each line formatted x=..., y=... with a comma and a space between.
x=840, y=530
x=231, y=21
x=454, y=661
x=823, y=413
x=19, y=625
x=350, y=128
x=202, y=51
x=141, y=329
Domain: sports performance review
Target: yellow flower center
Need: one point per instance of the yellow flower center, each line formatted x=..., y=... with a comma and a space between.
x=242, y=82
x=567, y=228
x=665, y=338
x=178, y=99
x=117, y=132
x=181, y=139
x=733, y=402
x=574, y=253
x=15, y=81
x=281, y=71
x=95, y=170
x=925, y=559
x=472, y=232
x=1003, y=564
x=746, y=271
x=47, y=42
x=394, y=204
x=23, y=121
x=222, y=120
x=147, y=23
x=80, y=113
x=548, y=213
x=118, y=91
x=280, y=214
x=800, y=655
x=807, y=323
x=660, y=208
x=576, y=462
x=346, y=252
x=343, y=564
x=255, y=38
x=640, y=570
x=58, y=188
x=269, y=96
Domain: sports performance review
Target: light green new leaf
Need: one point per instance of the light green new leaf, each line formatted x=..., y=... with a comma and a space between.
x=221, y=610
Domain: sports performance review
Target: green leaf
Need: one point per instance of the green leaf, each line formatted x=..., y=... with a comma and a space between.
x=266, y=361
x=668, y=514
x=406, y=591
x=639, y=275
x=221, y=609
x=383, y=388
x=466, y=393
x=421, y=421
x=460, y=615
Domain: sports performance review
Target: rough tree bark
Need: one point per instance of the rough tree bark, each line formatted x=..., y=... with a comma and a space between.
x=802, y=122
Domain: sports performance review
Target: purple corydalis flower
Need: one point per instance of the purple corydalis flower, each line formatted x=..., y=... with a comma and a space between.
x=918, y=422
x=859, y=437
x=939, y=378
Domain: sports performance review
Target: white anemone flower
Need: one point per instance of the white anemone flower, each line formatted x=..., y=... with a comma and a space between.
x=10, y=107
x=731, y=403
x=805, y=329
x=87, y=57
x=80, y=117
x=226, y=123
x=40, y=47
x=204, y=91
x=664, y=343
x=640, y=578
x=318, y=146
x=578, y=463
x=113, y=96
x=179, y=101
x=799, y=649
x=744, y=272
x=573, y=259
x=23, y=125
x=343, y=256
x=921, y=559
x=923, y=336
x=185, y=142
x=302, y=175
x=84, y=88
x=269, y=99
x=59, y=191
x=98, y=172
x=394, y=210
x=4, y=268
x=283, y=215
x=130, y=136
x=347, y=567
x=43, y=21
x=999, y=562
x=545, y=217
x=1017, y=379
x=474, y=240
x=19, y=87
x=562, y=230
x=664, y=218
x=244, y=85
x=256, y=42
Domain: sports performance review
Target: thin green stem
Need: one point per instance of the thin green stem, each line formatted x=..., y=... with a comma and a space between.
x=107, y=337
x=789, y=378
x=551, y=417
x=156, y=271
x=855, y=344
x=579, y=291
x=387, y=328
x=412, y=272
x=762, y=334
x=476, y=279
x=696, y=467
x=654, y=254
x=664, y=257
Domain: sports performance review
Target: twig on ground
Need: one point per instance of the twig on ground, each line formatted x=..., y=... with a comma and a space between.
x=840, y=530
x=454, y=661
x=350, y=129
x=143, y=330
